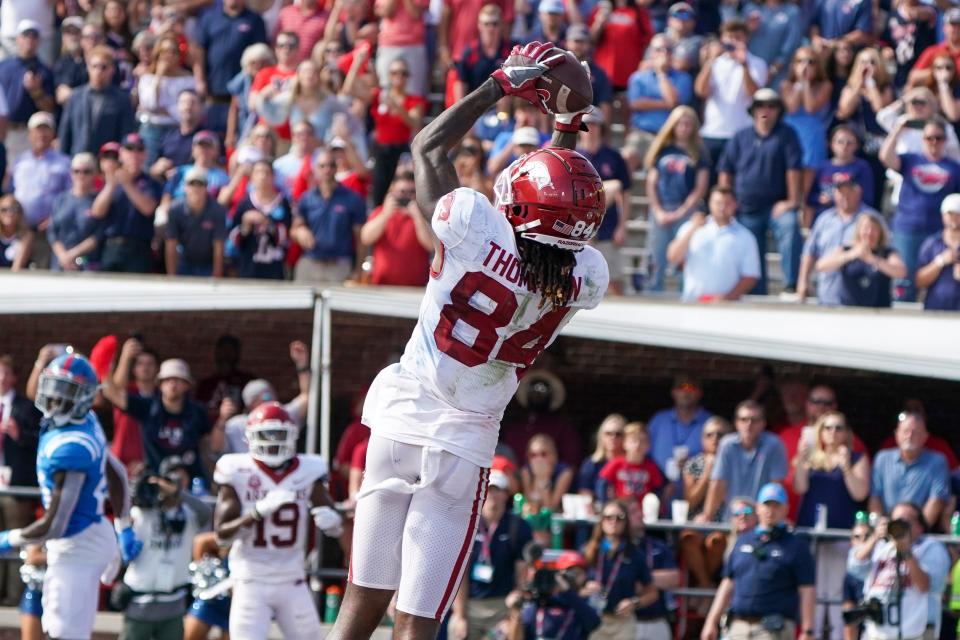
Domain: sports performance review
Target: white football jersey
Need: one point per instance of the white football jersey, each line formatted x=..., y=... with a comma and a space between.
x=479, y=327
x=273, y=550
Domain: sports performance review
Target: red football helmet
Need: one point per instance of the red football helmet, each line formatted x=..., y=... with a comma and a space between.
x=552, y=196
x=271, y=434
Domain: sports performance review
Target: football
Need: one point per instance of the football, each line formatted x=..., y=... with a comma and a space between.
x=565, y=88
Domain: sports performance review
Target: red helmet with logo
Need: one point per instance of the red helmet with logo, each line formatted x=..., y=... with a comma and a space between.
x=271, y=434
x=552, y=196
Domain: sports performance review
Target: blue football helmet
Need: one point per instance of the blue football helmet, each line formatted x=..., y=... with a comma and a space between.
x=66, y=389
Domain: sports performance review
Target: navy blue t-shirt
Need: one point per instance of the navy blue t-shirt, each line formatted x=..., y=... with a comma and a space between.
x=331, y=221
x=925, y=184
x=944, y=293
x=618, y=572
x=566, y=616
x=475, y=67
x=166, y=434
x=588, y=474
x=124, y=220
x=864, y=285
x=821, y=193
x=261, y=253
x=600, y=82
x=760, y=165
x=224, y=39
x=611, y=166
x=71, y=222
x=659, y=555
x=178, y=148
x=501, y=551
x=837, y=18
x=677, y=175
x=767, y=574
x=19, y=102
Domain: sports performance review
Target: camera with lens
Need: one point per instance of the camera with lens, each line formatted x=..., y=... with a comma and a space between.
x=871, y=609
x=898, y=529
x=545, y=581
x=146, y=494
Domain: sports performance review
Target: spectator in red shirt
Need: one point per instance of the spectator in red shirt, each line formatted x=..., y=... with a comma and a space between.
x=402, y=36
x=922, y=73
x=399, y=236
x=397, y=116
x=308, y=20
x=632, y=475
x=621, y=31
x=273, y=80
x=142, y=364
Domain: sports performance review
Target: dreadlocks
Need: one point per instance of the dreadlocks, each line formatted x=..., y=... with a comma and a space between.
x=547, y=269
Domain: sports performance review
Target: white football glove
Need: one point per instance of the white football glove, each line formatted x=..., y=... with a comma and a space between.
x=328, y=520
x=267, y=505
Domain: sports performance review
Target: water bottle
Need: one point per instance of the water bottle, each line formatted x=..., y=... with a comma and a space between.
x=334, y=594
x=955, y=524
x=518, y=502
x=862, y=517
x=198, y=487
x=821, y=519
x=556, y=534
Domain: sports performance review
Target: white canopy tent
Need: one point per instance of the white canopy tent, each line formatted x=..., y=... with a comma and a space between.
x=894, y=341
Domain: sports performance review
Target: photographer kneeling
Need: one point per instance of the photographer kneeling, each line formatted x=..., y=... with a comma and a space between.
x=904, y=575
x=153, y=594
x=549, y=606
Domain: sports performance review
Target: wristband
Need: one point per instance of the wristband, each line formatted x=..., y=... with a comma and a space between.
x=304, y=369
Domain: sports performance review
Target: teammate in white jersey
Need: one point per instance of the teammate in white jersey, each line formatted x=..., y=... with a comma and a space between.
x=266, y=500
x=506, y=277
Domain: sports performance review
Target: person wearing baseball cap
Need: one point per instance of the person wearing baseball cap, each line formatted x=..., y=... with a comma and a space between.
x=496, y=559
x=767, y=580
x=26, y=82
x=171, y=422
x=939, y=260
x=833, y=230
x=579, y=44
x=681, y=24
x=37, y=177
x=762, y=163
x=196, y=229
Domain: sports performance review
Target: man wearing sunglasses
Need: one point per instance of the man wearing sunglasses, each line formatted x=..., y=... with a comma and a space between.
x=767, y=580
x=73, y=234
x=675, y=433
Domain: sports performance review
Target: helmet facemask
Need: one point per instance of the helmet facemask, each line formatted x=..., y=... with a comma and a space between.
x=63, y=400
x=272, y=442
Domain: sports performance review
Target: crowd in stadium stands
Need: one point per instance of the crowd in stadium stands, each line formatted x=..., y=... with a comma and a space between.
x=166, y=426
x=270, y=138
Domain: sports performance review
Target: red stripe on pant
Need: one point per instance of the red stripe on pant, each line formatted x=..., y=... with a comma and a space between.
x=467, y=541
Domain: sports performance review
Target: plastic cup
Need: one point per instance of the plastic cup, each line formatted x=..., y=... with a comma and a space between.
x=679, y=510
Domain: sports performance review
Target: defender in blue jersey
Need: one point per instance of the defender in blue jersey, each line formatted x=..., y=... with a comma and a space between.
x=76, y=472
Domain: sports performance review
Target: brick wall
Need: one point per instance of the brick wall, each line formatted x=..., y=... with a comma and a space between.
x=601, y=376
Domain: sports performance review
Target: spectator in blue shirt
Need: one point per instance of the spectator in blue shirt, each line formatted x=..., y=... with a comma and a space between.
x=127, y=204
x=609, y=445
x=196, y=230
x=762, y=164
x=560, y=613
x=27, y=85
x=910, y=473
x=656, y=88
x=768, y=579
x=675, y=433
x=176, y=148
x=833, y=228
x=928, y=177
x=653, y=620
x=223, y=32
x=619, y=580
x=847, y=20
x=844, y=145
x=496, y=564
x=74, y=234
x=97, y=112
x=746, y=460
x=678, y=173
x=327, y=226
x=939, y=260
x=171, y=422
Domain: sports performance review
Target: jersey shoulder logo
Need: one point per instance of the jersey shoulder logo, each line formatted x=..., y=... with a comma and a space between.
x=446, y=206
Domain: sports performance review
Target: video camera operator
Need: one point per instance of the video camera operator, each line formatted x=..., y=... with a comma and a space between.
x=904, y=575
x=549, y=606
x=166, y=518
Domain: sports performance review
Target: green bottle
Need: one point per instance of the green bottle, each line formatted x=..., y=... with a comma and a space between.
x=518, y=502
x=862, y=517
x=955, y=524
x=556, y=534
x=334, y=594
